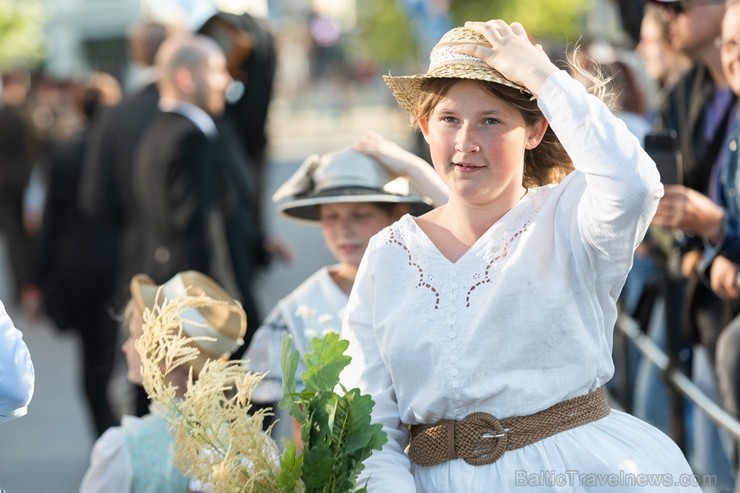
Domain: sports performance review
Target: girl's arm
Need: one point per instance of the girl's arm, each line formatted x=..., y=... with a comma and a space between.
x=400, y=162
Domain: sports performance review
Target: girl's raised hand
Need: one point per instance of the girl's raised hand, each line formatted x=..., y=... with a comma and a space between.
x=511, y=53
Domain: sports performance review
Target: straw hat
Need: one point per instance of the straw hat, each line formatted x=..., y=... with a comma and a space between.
x=226, y=323
x=343, y=176
x=446, y=63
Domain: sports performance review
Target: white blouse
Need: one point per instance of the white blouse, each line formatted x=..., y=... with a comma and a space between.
x=523, y=320
x=312, y=309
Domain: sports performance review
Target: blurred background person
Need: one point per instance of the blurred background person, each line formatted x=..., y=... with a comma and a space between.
x=699, y=108
x=106, y=182
x=106, y=189
x=663, y=64
x=716, y=219
x=251, y=57
x=76, y=264
x=16, y=164
x=192, y=196
x=642, y=296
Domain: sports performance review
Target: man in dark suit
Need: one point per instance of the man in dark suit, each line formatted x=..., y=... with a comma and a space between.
x=106, y=189
x=191, y=190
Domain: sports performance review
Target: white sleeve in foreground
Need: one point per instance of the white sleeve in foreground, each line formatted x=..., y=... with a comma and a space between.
x=623, y=183
x=388, y=469
x=17, y=376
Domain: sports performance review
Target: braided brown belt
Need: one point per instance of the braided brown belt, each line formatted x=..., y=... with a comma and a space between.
x=480, y=438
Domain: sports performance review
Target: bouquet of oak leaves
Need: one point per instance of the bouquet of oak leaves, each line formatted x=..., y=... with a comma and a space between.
x=219, y=442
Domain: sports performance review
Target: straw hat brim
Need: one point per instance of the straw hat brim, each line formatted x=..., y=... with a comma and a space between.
x=307, y=208
x=407, y=88
x=445, y=62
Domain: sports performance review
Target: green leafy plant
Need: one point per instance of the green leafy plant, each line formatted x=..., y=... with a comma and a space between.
x=336, y=429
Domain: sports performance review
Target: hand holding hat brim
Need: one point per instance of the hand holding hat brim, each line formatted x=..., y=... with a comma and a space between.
x=446, y=62
x=508, y=46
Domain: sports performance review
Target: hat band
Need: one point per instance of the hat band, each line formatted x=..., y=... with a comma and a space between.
x=195, y=325
x=444, y=55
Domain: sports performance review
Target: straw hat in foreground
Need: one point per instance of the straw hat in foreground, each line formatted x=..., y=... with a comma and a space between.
x=446, y=63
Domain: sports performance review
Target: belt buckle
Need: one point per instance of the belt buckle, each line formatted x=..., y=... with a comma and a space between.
x=482, y=439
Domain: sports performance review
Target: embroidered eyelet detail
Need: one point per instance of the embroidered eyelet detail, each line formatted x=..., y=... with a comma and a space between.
x=423, y=282
x=486, y=277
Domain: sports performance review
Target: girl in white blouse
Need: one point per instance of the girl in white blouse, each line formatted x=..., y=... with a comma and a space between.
x=501, y=303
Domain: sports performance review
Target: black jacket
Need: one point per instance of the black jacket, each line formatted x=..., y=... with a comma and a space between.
x=107, y=179
x=195, y=206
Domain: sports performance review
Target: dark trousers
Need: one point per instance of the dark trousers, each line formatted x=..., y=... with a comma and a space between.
x=20, y=245
x=86, y=313
x=98, y=340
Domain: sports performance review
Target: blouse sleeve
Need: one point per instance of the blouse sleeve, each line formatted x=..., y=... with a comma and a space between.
x=16, y=370
x=622, y=182
x=387, y=469
x=110, y=467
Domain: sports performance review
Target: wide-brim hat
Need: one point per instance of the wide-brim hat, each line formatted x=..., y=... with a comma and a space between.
x=224, y=322
x=345, y=176
x=446, y=63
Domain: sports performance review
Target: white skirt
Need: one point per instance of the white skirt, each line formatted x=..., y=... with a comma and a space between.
x=616, y=454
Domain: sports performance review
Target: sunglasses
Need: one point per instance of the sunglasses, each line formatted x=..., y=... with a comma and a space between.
x=682, y=6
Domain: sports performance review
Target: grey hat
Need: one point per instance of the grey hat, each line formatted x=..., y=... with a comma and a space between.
x=341, y=177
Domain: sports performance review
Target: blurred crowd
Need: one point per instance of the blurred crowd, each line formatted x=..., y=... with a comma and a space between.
x=79, y=216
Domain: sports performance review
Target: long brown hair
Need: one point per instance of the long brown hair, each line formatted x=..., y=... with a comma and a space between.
x=544, y=164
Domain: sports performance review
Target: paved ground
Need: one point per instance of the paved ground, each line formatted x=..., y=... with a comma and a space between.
x=47, y=451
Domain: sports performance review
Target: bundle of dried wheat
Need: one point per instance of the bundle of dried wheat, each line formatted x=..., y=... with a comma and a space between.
x=218, y=442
